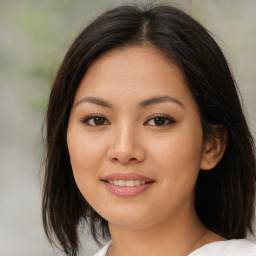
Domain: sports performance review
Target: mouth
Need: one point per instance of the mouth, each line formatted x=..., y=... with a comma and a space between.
x=127, y=185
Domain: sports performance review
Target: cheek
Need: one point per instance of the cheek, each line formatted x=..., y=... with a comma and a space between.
x=85, y=156
x=178, y=150
x=178, y=162
x=84, y=150
x=178, y=157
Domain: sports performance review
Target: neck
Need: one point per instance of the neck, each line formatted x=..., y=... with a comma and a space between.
x=178, y=237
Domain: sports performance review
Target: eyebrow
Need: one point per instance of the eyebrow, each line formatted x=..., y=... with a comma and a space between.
x=144, y=103
x=160, y=99
x=96, y=101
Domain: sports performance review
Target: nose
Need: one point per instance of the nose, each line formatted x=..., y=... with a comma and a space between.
x=125, y=146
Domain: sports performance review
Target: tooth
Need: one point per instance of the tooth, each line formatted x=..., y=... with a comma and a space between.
x=129, y=183
x=137, y=182
x=121, y=183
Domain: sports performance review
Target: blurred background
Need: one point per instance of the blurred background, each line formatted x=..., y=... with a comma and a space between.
x=34, y=36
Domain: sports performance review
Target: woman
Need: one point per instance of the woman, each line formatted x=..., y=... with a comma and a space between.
x=147, y=141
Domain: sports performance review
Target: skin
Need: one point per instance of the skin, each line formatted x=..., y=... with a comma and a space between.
x=129, y=140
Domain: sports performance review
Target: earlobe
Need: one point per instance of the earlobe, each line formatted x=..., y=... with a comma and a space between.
x=214, y=147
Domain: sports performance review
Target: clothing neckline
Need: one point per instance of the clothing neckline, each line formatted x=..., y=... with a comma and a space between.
x=104, y=250
x=208, y=245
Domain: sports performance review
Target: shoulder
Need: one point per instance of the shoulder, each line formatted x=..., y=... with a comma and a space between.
x=103, y=250
x=235, y=247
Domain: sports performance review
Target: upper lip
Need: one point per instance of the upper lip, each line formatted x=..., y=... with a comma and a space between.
x=126, y=176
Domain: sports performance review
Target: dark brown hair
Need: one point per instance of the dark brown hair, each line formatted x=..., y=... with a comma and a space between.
x=225, y=195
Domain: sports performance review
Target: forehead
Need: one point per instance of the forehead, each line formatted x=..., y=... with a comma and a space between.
x=135, y=71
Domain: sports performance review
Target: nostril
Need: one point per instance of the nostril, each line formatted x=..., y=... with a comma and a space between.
x=132, y=159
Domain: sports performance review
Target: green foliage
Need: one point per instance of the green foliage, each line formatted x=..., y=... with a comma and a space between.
x=34, y=36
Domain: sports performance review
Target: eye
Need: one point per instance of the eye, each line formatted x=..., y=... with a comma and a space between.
x=160, y=120
x=95, y=120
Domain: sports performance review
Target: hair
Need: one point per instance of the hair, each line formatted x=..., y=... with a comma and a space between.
x=225, y=195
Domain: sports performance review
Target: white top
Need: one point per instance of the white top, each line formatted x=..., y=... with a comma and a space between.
x=235, y=247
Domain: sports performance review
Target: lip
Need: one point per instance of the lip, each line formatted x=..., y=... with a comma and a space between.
x=123, y=191
x=126, y=176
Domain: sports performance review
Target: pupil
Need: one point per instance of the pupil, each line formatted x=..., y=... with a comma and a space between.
x=98, y=120
x=159, y=121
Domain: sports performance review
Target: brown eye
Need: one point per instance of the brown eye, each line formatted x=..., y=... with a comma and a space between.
x=160, y=121
x=95, y=121
x=98, y=120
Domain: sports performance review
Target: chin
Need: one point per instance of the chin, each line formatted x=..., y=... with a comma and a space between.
x=133, y=219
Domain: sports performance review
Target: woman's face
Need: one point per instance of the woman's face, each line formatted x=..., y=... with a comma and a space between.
x=135, y=138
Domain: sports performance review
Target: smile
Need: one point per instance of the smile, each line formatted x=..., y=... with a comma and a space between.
x=127, y=183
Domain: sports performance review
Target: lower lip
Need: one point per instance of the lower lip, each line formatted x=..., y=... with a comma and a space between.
x=127, y=191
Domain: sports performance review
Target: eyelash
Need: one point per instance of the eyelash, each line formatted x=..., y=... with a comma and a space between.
x=93, y=117
x=162, y=117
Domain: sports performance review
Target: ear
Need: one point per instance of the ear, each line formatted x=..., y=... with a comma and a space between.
x=214, y=147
